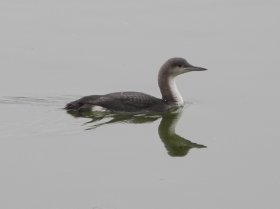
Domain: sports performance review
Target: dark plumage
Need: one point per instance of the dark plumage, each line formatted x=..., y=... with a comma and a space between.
x=120, y=101
x=141, y=102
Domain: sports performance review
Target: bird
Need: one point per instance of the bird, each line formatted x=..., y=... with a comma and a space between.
x=138, y=102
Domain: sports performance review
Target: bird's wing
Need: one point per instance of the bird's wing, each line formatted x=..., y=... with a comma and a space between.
x=126, y=101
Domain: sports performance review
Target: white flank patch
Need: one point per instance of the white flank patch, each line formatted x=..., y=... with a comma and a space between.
x=99, y=108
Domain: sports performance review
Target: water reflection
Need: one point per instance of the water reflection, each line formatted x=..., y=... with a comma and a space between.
x=176, y=146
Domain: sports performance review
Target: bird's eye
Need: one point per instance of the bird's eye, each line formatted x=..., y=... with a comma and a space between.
x=179, y=65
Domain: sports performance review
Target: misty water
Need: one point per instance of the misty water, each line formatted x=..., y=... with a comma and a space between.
x=219, y=151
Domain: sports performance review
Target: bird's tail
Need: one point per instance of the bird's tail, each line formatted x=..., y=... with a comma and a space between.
x=83, y=103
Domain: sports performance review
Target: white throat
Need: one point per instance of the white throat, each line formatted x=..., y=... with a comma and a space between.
x=178, y=99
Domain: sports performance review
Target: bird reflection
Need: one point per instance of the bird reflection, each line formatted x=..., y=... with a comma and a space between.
x=176, y=146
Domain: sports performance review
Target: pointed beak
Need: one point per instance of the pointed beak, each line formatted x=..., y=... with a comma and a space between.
x=194, y=68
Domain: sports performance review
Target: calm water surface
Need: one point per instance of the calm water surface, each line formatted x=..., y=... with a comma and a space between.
x=220, y=151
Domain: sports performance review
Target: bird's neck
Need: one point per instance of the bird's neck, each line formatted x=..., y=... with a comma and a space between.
x=169, y=90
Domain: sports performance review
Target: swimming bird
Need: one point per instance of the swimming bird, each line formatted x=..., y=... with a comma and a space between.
x=140, y=102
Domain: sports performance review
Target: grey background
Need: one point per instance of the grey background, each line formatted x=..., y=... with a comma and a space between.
x=52, y=52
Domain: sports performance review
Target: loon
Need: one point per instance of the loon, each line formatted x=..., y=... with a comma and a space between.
x=140, y=102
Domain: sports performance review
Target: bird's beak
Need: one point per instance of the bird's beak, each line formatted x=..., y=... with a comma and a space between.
x=194, y=68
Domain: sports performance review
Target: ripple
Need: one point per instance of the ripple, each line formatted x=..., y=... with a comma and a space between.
x=37, y=101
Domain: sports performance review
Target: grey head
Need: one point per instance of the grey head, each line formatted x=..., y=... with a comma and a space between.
x=176, y=66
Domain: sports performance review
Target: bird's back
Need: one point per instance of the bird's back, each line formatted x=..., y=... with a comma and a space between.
x=121, y=101
x=129, y=102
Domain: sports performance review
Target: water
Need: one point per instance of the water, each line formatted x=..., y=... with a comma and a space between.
x=53, y=52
